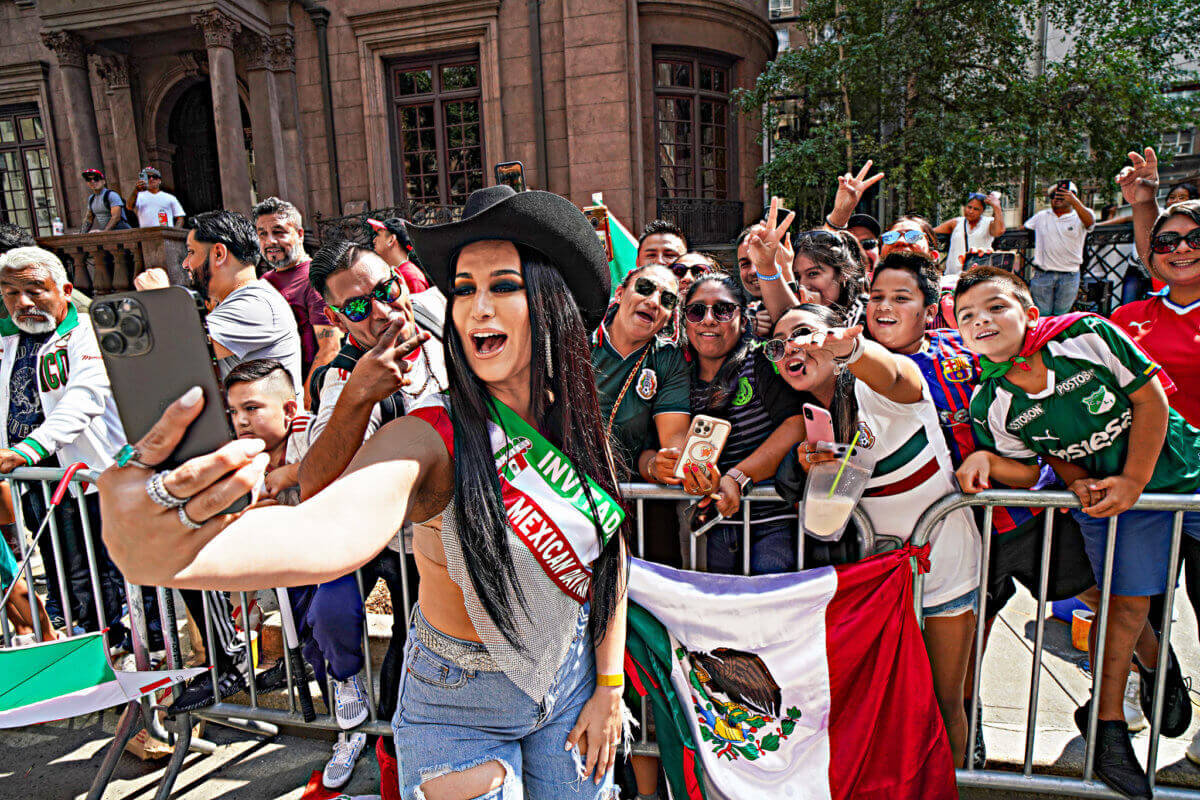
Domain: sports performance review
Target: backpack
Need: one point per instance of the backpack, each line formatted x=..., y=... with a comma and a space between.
x=125, y=215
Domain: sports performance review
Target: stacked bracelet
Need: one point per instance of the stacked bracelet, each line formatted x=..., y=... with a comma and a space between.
x=853, y=355
x=762, y=277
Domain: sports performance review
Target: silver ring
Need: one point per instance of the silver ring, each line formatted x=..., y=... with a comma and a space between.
x=128, y=454
x=187, y=521
x=159, y=494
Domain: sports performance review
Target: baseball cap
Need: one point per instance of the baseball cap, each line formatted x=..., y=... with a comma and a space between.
x=95, y=172
x=865, y=221
x=151, y=172
x=393, y=225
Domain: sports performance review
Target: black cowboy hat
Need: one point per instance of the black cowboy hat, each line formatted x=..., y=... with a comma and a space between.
x=544, y=221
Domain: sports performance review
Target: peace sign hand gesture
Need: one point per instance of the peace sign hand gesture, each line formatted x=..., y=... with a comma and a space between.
x=765, y=237
x=382, y=370
x=850, y=191
x=1139, y=183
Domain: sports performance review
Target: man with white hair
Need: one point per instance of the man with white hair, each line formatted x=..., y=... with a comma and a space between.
x=57, y=409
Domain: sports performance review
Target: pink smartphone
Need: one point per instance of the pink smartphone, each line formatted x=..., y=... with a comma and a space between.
x=818, y=425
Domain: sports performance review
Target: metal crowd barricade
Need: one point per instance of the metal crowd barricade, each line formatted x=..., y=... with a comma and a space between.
x=1026, y=781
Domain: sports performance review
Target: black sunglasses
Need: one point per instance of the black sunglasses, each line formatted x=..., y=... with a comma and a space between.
x=722, y=311
x=1169, y=242
x=869, y=244
x=646, y=288
x=695, y=270
x=356, y=309
x=820, y=237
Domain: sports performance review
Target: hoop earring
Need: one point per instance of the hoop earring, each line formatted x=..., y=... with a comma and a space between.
x=549, y=360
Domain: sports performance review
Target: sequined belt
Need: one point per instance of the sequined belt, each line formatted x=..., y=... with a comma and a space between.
x=465, y=655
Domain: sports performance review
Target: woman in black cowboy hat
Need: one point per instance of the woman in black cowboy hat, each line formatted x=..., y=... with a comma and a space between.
x=512, y=676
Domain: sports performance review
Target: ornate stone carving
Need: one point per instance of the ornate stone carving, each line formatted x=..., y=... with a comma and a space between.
x=113, y=70
x=253, y=50
x=281, y=56
x=219, y=29
x=193, y=62
x=69, y=47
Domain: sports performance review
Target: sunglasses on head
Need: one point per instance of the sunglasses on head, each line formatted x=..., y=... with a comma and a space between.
x=976, y=196
x=820, y=237
x=911, y=236
x=356, y=309
x=695, y=270
x=722, y=311
x=646, y=288
x=776, y=349
x=1169, y=242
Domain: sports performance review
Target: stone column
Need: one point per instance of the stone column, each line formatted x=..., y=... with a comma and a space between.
x=268, y=138
x=293, y=178
x=77, y=98
x=114, y=71
x=219, y=31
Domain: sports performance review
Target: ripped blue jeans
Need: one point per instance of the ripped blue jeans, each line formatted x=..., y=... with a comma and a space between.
x=449, y=719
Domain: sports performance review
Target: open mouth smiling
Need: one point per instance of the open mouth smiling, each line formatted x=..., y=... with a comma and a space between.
x=488, y=343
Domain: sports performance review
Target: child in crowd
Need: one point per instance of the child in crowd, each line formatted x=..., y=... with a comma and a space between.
x=1075, y=391
x=263, y=404
x=902, y=300
x=883, y=397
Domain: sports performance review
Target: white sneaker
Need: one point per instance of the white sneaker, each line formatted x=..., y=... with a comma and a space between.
x=24, y=639
x=1134, y=717
x=350, y=703
x=345, y=753
x=1193, y=751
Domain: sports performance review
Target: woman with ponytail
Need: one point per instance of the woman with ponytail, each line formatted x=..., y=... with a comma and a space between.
x=513, y=667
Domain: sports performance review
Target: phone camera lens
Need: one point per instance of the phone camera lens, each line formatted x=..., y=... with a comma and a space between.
x=113, y=343
x=132, y=327
x=105, y=315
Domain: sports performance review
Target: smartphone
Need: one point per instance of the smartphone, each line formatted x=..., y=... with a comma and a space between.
x=512, y=173
x=705, y=441
x=818, y=425
x=155, y=347
x=597, y=215
x=1003, y=259
x=703, y=518
x=1064, y=186
x=142, y=176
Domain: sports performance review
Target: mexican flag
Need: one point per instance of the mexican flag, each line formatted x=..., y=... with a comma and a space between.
x=808, y=685
x=624, y=248
x=70, y=677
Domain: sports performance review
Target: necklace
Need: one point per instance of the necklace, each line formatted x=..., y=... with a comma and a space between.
x=428, y=376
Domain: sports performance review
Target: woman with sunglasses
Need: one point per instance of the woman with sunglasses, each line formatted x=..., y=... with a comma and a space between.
x=883, y=396
x=731, y=381
x=972, y=230
x=512, y=672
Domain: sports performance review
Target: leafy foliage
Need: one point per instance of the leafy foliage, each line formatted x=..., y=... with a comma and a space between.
x=947, y=98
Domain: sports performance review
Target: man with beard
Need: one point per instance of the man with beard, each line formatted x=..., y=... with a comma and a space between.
x=58, y=409
x=281, y=238
x=249, y=319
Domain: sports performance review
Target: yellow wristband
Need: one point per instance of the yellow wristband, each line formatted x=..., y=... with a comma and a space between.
x=610, y=680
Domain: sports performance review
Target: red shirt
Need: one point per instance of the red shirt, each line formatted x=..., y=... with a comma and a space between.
x=413, y=277
x=306, y=304
x=1170, y=333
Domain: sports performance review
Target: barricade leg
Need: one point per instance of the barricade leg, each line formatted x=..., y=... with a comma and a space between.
x=1039, y=638
x=1160, y=684
x=1098, y=663
x=129, y=724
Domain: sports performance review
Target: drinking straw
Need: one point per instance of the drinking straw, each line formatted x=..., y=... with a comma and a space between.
x=842, y=468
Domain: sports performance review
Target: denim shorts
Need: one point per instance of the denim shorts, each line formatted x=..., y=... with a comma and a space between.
x=952, y=608
x=772, y=547
x=450, y=718
x=1142, y=552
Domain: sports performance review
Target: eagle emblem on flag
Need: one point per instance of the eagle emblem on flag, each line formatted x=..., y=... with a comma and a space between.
x=737, y=703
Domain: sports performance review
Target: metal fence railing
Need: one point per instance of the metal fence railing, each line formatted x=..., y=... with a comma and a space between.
x=1026, y=781
x=250, y=714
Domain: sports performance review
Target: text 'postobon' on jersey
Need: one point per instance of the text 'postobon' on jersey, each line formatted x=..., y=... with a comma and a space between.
x=1084, y=414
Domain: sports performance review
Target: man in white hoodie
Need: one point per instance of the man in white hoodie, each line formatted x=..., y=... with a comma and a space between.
x=58, y=409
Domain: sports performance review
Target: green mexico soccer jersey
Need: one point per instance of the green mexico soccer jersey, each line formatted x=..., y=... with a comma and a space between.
x=1084, y=414
x=660, y=386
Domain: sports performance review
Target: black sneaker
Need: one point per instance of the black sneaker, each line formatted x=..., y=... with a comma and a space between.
x=1177, y=706
x=272, y=678
x=1115, y=764
x=199, y=693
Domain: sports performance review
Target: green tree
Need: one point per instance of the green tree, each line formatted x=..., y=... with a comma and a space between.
x=947, y=97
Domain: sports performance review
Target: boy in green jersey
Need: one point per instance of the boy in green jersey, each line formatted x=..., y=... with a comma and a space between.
x=1076, y=391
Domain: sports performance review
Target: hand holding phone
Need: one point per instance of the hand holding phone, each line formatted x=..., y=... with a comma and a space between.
x=705, y=440
x=818, y=425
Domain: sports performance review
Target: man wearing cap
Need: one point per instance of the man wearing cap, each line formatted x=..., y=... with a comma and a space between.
x=391, y=243
x=153, y=206
x=1059, y=233
x=867, y=230
x=105, y=208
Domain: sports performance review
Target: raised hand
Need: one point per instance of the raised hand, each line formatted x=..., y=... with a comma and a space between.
x=764, y=239
x=382, y=370
x=850, y=192
x=1139, y=183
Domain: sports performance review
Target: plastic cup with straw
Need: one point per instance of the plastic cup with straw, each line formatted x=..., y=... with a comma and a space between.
x=833, y=489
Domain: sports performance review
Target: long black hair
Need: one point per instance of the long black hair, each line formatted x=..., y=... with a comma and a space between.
x=840, y=252
x=844, y=408
x=724, y=384
x=571, y=422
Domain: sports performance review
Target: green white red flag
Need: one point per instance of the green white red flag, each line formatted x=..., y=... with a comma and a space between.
x=810, y=685
x=70, y=677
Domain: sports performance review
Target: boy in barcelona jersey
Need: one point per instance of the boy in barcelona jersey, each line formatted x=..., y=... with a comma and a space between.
x=1076, y=391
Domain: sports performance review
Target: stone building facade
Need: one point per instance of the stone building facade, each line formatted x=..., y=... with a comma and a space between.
x=348, y=105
